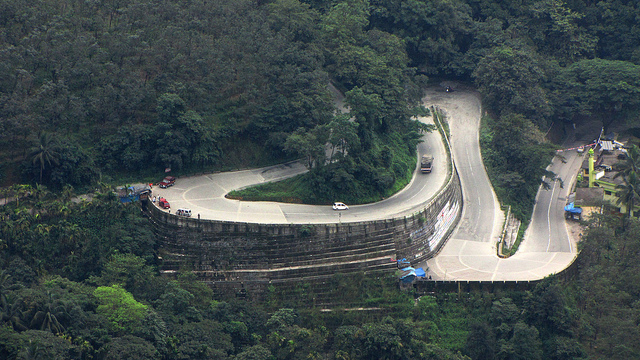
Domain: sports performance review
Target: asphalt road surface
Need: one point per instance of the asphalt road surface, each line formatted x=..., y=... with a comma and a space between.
x=471, y=252
x=204, y=195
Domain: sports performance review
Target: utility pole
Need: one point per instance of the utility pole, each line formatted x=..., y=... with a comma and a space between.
x=592, y=175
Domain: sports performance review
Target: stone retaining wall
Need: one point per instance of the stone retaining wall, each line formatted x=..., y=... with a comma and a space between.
x=244, y=258
x=221, y=251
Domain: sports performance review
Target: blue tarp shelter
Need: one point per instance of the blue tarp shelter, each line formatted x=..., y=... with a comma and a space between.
x=408, y=274
x=572, y=209
x=403, y=262
x=133, y=192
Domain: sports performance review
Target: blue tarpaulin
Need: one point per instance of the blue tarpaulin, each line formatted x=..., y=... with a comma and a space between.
x=408, y=277
x=420, y=272
x=572, y=209
x=132, y=192
x=403, y=262
x=408, y=274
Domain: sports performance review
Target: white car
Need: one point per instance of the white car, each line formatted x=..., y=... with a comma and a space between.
x=184, y=212
x=340, y=206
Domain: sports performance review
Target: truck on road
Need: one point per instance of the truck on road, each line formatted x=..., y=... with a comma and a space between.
x=426, y=164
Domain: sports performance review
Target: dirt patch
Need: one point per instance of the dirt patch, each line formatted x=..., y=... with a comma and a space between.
x=574, y=230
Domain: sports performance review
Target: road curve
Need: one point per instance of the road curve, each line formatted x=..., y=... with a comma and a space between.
x=470, y=254
x=204, y=194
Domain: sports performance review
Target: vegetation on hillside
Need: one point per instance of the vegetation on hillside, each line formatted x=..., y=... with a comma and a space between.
x=133, y=88
x=120, y=90
x=80, y=280
x=92, y=91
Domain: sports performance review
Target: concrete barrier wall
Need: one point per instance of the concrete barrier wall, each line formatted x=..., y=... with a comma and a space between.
x=234, y=251
x=223, y=252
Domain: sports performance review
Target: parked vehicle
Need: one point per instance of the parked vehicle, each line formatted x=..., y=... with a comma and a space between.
x=166, y=182
x=340, y=206
x=163, y=203
x=184, y=212
x=426, y=164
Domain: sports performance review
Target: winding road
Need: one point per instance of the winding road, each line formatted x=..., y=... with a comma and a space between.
x=204, y=195
x=470, y=253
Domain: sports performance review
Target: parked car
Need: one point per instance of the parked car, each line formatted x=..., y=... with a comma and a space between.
x=184, y=212
x=166, y=182
x=340, y=206
x=163, y=203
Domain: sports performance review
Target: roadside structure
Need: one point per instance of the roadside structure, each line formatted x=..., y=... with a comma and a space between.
x=135, y=192
x=601, y=168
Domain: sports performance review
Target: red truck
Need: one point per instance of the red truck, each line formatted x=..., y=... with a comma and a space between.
x=163, y=203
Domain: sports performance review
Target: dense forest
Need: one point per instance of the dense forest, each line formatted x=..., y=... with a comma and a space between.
x=114, y=91
x=80, y=281
x=97, y=92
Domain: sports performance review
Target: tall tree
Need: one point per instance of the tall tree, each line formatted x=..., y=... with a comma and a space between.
x=436, y=32
x=630, y=165
x=46, y=317
x=553, y=26
x=597, y=87
x=45, y=152
x=119, y=307
x=511, y=81
x=308, y=144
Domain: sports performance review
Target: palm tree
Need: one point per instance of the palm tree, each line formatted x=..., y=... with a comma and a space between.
x=46, y=152
x=67, y=193
x=629, y=193
x=631, y=164
x=40, y=192
x=33, y=351
x=5, y=287
x=20, y=190
x=13, y=313
x=47, y=317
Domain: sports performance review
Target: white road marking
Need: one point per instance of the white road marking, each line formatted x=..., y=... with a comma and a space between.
x=549, y=216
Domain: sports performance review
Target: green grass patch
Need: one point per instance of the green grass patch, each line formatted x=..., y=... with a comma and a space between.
x=292, y=190
x=388, y=168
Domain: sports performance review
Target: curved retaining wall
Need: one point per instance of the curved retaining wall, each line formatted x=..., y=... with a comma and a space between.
x=236, y=256
x=232, y=251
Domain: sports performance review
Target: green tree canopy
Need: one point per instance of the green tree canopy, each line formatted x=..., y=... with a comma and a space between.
x=609, y=89
x=119, y=308
x=511, y=80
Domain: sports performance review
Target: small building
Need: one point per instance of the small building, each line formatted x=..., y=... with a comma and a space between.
x=589, y=200
x=603, y=160
x=133, y=192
